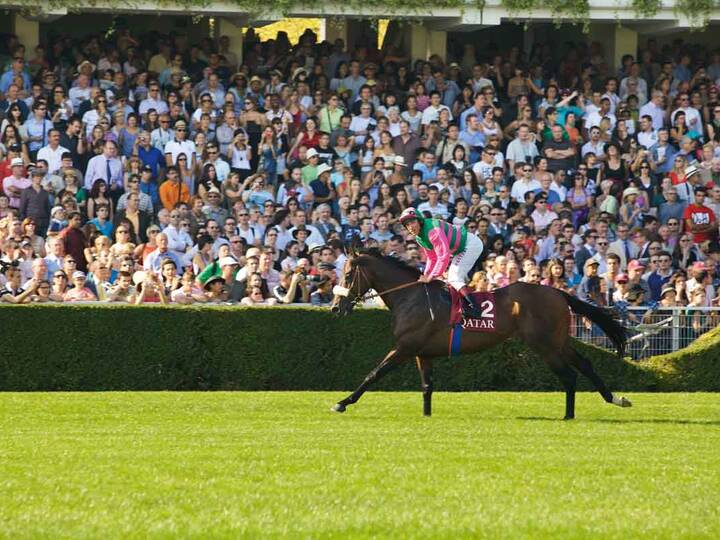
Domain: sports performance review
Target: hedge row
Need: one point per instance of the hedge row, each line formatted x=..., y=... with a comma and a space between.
x=50, y=347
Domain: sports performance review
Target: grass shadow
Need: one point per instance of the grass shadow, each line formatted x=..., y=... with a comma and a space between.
x=673, y=421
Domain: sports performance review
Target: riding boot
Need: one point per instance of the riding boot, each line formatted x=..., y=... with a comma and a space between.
x=472, y=309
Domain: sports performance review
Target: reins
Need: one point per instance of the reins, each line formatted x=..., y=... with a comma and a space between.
x=359, y=272
x=393, y=289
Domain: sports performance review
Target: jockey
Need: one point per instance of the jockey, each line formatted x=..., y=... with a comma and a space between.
x=440, y=241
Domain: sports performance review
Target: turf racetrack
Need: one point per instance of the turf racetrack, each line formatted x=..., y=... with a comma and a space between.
x=123, y=465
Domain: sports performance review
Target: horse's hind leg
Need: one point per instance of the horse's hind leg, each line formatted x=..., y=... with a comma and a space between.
x=584, y=366
x=425, y=368
x=568, y=378
x=549, y=345
x=391, y=361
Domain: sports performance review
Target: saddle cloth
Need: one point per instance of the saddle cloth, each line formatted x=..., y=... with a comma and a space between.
x=484, y=300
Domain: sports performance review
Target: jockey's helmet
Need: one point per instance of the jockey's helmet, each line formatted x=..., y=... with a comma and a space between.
x=408, y=215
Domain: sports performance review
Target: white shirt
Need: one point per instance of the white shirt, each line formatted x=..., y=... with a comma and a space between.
x=597, y=148
x=483, y=170
x=91, y=119
x=521, y=187
x=77, y=95
x=647, y=139
x=656, y=113
x=431, y=114
x=314, y=238
x=519, y=151
x=692, y=118
x=438, y=210
x=178, y=240
x=593, y=120
x=53, y=157
x=175, y=148
x=360, y=123
x=158, y=104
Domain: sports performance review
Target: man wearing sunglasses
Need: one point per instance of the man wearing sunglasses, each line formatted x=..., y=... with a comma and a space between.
x=180, y=145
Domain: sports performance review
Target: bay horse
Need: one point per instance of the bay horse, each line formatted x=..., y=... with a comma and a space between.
x=536, y=314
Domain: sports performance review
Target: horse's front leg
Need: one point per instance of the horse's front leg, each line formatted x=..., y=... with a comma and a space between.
x=425, y=368
x=391, y=361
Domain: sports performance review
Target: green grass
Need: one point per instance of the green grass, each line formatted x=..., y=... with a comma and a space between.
x=501, y=465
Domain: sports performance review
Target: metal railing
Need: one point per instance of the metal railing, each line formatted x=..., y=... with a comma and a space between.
x=653, y=331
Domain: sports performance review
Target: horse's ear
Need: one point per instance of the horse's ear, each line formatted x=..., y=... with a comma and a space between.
x=355, y=245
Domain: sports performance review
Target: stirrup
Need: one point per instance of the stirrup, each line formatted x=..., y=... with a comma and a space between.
x=471, y=309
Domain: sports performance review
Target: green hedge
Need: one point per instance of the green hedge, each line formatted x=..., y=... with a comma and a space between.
x=50, y=347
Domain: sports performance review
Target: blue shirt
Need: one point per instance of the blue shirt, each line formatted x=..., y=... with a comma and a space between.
x=37, y=128
x=151, y=189
x=153, y=157
x=465, y=114
x=259, y=198
x=474, y=141
x=105, y=230
x=427, y=174
x=8, y=77
x=155, y=259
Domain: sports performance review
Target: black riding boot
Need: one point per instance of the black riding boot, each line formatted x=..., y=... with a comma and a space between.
x=471, y=310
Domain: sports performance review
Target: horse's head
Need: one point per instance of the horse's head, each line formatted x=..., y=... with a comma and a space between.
x=353, y=285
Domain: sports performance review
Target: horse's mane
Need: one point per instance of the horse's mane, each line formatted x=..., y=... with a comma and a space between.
x=394, y=261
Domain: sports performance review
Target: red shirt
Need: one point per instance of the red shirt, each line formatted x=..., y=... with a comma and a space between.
x=700, y=215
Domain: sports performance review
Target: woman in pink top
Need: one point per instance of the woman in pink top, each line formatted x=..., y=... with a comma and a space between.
x=79, y=293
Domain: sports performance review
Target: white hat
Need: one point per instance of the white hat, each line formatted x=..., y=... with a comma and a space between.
x=323, y=168
x=311, y=152
x=78, y=275
x=228, y=261
x=17, y=162
x=691, y=170
x=139, y=277
x=56, y=209
x=399, y=160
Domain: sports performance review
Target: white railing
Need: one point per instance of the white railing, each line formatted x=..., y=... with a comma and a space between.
x=653, y=332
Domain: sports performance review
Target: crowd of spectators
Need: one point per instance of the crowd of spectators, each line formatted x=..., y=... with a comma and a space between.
x=144, y=168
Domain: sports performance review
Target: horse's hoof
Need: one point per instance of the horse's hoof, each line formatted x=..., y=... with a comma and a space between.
x=621, y=402
x=338, y=407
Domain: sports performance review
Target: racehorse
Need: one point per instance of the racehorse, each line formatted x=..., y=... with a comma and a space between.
x=536, y=314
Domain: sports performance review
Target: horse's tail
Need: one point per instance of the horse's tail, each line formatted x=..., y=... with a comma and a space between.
x=604, y=318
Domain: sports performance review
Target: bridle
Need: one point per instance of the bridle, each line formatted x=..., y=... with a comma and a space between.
x=359, y=275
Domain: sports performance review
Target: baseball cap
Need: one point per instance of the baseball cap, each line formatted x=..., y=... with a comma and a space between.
x=635, y=265
x=17, y=162
x=78, y=275
x=311, y=153
x=622, y=278
x=326, y=266
x=228, y=261
x=591, y=262
x=146, y=168
x=666, y=290
x=323, y=168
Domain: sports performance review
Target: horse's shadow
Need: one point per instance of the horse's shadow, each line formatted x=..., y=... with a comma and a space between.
x=674, y=421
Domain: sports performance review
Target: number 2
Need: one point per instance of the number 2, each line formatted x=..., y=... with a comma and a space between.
x=487, y=306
